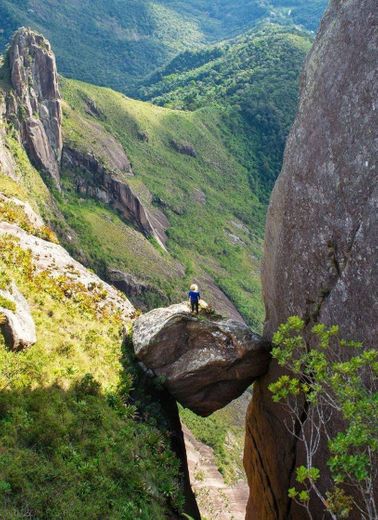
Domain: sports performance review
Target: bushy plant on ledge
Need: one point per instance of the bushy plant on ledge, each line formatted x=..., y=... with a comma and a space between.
x=330, y=377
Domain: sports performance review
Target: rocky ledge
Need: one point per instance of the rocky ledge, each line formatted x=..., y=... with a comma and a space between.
x=205, y=362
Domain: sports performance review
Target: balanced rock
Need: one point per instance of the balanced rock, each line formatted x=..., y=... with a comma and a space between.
x=16, y=321
x=205, y=363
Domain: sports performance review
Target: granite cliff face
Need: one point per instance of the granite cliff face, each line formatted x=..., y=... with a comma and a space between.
x=321, y=235
x=34, y=105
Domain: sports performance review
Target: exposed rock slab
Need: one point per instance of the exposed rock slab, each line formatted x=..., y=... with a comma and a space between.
x=205, y=363
x=54, y=258
x=34, y=218
x=18, y=327
x=34, y=106
x=322, y=235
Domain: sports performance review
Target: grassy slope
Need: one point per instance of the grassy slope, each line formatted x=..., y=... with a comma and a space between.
x=199, y=235
x=118, y=44
x=70, y=446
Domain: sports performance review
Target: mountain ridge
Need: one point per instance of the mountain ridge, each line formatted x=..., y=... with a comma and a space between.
x=116, y=43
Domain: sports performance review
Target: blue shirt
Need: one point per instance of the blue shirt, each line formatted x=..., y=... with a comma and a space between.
x=194, y=296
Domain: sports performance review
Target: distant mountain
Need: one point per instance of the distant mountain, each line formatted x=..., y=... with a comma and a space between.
x=257, y=75
x=118, y=43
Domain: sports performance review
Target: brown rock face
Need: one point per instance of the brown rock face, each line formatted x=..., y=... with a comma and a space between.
x=322, y=230
x=35, y=105
x=205, y=363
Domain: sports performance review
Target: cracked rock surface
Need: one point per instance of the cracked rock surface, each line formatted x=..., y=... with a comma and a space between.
x=321, y=241
x=205, y=363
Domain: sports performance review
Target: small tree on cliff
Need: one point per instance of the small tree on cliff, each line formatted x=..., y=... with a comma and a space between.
x=328, y=377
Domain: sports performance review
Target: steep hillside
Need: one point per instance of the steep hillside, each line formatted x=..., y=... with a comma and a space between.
x=257, y=75
x=82, y=434
x=181, y=165
x=118, y=43
x=66, y=412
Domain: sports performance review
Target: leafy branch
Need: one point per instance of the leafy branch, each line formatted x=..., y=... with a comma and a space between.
x=330, y=392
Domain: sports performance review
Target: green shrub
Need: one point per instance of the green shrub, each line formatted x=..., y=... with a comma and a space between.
x=335, y=382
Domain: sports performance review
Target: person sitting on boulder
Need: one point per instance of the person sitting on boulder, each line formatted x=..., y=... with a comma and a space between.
x=194, y=297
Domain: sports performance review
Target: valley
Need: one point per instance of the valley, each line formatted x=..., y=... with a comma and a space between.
x=139, y=146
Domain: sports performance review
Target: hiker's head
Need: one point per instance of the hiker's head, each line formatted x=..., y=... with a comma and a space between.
x=194, y=287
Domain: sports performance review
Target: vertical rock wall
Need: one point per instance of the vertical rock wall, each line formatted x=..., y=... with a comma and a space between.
x=34, y=106
x=321, y=240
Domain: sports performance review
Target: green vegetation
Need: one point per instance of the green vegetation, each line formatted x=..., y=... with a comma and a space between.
x=109, y=243
x=334, y=379
x=29, y=186
x=71, y=445
x=224, y=432
x=215, y=197
x=14, y=213
x=257, y=75
x=5, y=303
x=118, y=44
x=221, y=236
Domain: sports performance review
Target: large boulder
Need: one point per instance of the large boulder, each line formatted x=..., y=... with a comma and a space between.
x=34, y=105
x=16, y=321
x=321, y=234
x=205, y=363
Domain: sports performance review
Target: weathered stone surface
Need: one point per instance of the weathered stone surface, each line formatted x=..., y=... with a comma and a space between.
x=18, y=326
x=205, y=363
x=34, y=106
x=104, y=185
x=322, y=234
x=55, y=259
x=34, y=218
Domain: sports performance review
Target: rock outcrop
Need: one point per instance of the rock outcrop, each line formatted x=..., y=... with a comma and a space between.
x=34, y=105
x=98, y=182
x=204, y=363
x=16, y=323
x=322, y=231
x=56, y=260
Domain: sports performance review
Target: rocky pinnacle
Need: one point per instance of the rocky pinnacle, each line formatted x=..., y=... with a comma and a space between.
x=34, y=105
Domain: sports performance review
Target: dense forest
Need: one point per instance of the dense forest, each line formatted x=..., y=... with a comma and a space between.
x=118, y=43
